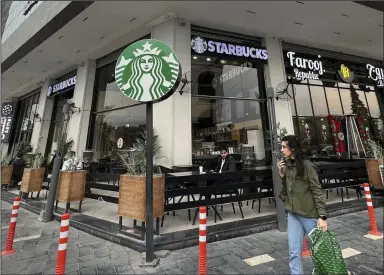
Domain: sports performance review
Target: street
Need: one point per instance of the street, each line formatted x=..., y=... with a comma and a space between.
x=36, y=246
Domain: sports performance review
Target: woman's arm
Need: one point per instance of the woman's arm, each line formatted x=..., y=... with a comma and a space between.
x=315, y=186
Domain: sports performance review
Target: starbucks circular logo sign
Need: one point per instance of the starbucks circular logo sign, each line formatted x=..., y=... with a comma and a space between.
x=148, y=70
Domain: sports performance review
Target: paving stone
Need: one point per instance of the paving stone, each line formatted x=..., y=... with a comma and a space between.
x=101, y=253
x=90, y=270
x=226, y=269
x=235, y=262
x=35, y=267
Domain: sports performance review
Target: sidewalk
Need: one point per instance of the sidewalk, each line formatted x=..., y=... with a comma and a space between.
x=36, y=247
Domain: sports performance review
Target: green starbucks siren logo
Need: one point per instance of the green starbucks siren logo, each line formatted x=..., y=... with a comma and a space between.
x=148, y=70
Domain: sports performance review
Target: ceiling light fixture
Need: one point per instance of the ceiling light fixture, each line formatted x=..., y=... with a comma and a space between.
x=25, y=61
x=345, y=15
x=208, y=59
x=297, y=23
x=85, y=19
x=195, y=57
x=133, y=19
x=251, y=12
x=41, y=51
x=222, y=61
x=300, y=2
x=337, y=33
x=370, y=41
x=101, y=38
x=60, y=36
x=78, y=51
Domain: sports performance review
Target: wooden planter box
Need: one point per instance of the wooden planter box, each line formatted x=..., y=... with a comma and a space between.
x=6, y=175
x=71, y=187
x=132, y=202
x=32, y=180
x=374, y=172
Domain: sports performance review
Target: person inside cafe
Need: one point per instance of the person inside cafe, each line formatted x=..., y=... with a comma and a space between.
x=226, y=163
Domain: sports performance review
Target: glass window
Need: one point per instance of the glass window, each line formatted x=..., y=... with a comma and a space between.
x=109, y=95
x=318, y=100
x=346, y=99
x=218, y=124
x=373, y=104
x=333, y=100
x=303, y=102
x=213, y=76
x=109, y=127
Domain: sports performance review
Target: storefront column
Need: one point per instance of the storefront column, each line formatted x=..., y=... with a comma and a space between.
x=275, y=74
x=82, y=97
x=41, y=126
x=172, y=117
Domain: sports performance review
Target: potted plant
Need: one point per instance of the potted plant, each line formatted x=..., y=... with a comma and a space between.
x=72, y=181
x=132, y=192
x=33, y=177
x=376, y=158
x=6, y=171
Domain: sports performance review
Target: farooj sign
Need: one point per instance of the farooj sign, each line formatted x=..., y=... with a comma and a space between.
x=8, y=111
x=376, y=74
x=305, y=68
x=56, y=88
x=200, y=45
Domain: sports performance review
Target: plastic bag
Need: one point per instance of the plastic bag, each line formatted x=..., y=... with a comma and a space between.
x=326, y=254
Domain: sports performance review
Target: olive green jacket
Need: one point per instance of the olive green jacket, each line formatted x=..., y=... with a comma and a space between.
x=303, y=196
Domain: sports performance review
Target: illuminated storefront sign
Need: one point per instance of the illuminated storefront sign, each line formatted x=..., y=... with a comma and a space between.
x=376, y=74
x=200, y=45
x=345, y=74
x=305, y=68
x=8, y=111
x=68, y=83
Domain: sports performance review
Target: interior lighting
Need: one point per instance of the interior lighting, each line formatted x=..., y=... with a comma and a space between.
x=208, y=59
x=195, y=57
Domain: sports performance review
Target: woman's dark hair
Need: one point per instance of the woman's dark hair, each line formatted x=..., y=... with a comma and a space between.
x=294, y=145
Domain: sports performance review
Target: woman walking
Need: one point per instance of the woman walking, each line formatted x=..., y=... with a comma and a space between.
x=303, y=197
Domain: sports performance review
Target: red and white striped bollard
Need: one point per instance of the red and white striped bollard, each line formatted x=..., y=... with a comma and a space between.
x=371, y=213
x=203, y=241
x=8, y=250
x=62, y=250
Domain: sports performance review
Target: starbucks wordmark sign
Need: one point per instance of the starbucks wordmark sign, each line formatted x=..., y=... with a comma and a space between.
x=148, y=70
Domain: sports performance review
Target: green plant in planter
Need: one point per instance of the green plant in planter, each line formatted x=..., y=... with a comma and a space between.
x=5, y=160
x=135, y=161
x=375, y=150
x=72, y=162
x=37, y=160
x=63, y=147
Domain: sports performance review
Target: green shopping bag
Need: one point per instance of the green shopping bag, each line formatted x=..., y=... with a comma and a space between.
x=326, y=254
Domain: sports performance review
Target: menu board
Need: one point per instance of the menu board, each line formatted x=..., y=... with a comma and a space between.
x=8, y=110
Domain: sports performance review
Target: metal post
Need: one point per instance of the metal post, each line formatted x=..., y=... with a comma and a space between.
x=280, y=208
x=48, y=212
x=149, y=255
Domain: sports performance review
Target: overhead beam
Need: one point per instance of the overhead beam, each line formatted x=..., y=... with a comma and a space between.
x=376, y=5
x=59, y=21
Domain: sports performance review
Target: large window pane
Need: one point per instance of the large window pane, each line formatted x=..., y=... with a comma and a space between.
x=373, y=104
x=303, y=102
x=220, y=123
x=333, y=99
x=109, y=95
x=346, y=99
x=226, y=78
x=318, y=100
x=109, y=127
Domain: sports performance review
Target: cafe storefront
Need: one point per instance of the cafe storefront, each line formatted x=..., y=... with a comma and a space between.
x=323, y=97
